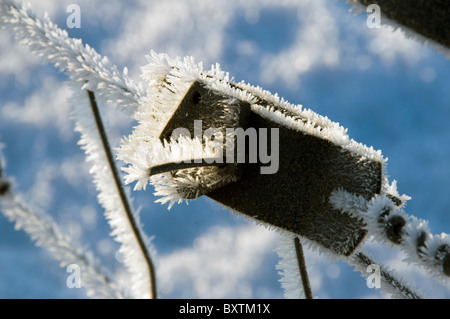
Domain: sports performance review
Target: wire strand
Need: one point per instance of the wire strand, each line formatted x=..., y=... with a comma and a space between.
x=122, y=194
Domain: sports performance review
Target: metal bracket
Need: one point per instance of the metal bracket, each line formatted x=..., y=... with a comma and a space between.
x=295, y=198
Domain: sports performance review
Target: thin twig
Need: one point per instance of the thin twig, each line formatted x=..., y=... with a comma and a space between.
x=122, y=194
x=302, y=268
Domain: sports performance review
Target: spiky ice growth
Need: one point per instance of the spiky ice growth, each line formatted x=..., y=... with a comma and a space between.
x=178, y=184
x=288, y=267
x=388, y=223
x=168, y=83
x=80, y=62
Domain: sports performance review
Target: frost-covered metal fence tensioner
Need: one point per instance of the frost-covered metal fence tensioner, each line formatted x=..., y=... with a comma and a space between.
x=330, y=191
x=316, y=158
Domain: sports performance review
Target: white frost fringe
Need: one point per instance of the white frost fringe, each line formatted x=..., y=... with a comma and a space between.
x=108, y=196
x=47, y=234
x=288, y=267
x=80, y=62
x=142, y=155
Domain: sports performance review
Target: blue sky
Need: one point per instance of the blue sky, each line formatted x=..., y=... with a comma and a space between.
x=391, y=93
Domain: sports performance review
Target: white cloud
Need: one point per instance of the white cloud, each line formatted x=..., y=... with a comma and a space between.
x=15, y=60
x=390, y=45
x=221, y=263
x=48, y=105
x=178, y=28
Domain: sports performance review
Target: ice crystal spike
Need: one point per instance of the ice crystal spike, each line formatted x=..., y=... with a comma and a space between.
x=296, y=197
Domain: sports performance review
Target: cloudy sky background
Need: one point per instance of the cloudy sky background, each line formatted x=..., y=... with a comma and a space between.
x=390, y=92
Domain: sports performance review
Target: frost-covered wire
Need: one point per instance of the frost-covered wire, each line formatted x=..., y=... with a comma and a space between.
x=47, y=234
x=390, y=284
x=389, y=223
x=80, y=62
x=127, y=230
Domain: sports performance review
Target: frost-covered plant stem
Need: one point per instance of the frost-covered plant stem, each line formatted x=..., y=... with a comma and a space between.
x=46, y=233
x=94, y=73
x=137, y=231
x=80, y=62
